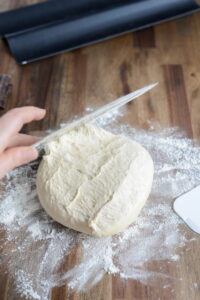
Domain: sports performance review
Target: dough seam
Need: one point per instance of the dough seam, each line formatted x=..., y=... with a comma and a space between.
x=110, y=199
x=91, y=179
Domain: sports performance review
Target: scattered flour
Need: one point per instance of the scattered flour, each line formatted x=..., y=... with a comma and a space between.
x=35, y=247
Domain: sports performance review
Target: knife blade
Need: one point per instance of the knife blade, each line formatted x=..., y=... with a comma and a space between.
x=94, y=115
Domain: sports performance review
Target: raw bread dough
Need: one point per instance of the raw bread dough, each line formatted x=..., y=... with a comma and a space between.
x=93, y=181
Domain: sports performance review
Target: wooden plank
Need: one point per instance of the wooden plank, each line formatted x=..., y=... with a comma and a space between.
x=144, y=38
x=180, y=115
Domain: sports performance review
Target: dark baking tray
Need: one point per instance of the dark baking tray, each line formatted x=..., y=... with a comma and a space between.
x=55, y=26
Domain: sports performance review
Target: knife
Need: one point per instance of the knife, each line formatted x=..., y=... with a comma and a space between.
x=94, y=115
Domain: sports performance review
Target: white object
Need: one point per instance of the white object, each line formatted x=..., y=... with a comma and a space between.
x=187, y=207
x=93, y=181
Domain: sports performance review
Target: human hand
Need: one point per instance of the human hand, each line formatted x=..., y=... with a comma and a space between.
x=15, y=149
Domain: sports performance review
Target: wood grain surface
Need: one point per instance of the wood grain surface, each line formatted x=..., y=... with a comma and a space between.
x=92, y=76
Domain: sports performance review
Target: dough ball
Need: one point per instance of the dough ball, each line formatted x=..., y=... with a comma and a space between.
x=94, y=181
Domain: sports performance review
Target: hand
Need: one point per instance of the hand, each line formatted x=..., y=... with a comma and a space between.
x=15, y=149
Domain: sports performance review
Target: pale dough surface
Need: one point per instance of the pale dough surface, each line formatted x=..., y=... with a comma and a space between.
x=93, y=181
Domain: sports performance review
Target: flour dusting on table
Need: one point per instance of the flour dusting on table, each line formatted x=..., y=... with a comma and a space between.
x=35, y=247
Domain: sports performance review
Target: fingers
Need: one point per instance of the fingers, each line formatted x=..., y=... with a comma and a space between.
x=11, y=155
x=21, y=139
x=14, y=119
x=15, y=157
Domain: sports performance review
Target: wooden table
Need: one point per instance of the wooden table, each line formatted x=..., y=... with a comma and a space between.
x=92, y=76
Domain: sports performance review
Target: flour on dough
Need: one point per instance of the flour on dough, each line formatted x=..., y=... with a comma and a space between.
x=93, y=181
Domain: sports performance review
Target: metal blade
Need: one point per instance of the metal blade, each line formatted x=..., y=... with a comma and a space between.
x=96, y=114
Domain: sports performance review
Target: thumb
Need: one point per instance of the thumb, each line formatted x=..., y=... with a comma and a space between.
x=15, y=157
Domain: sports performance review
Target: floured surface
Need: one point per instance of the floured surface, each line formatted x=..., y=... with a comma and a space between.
x=94, y=181
x=32, y=238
